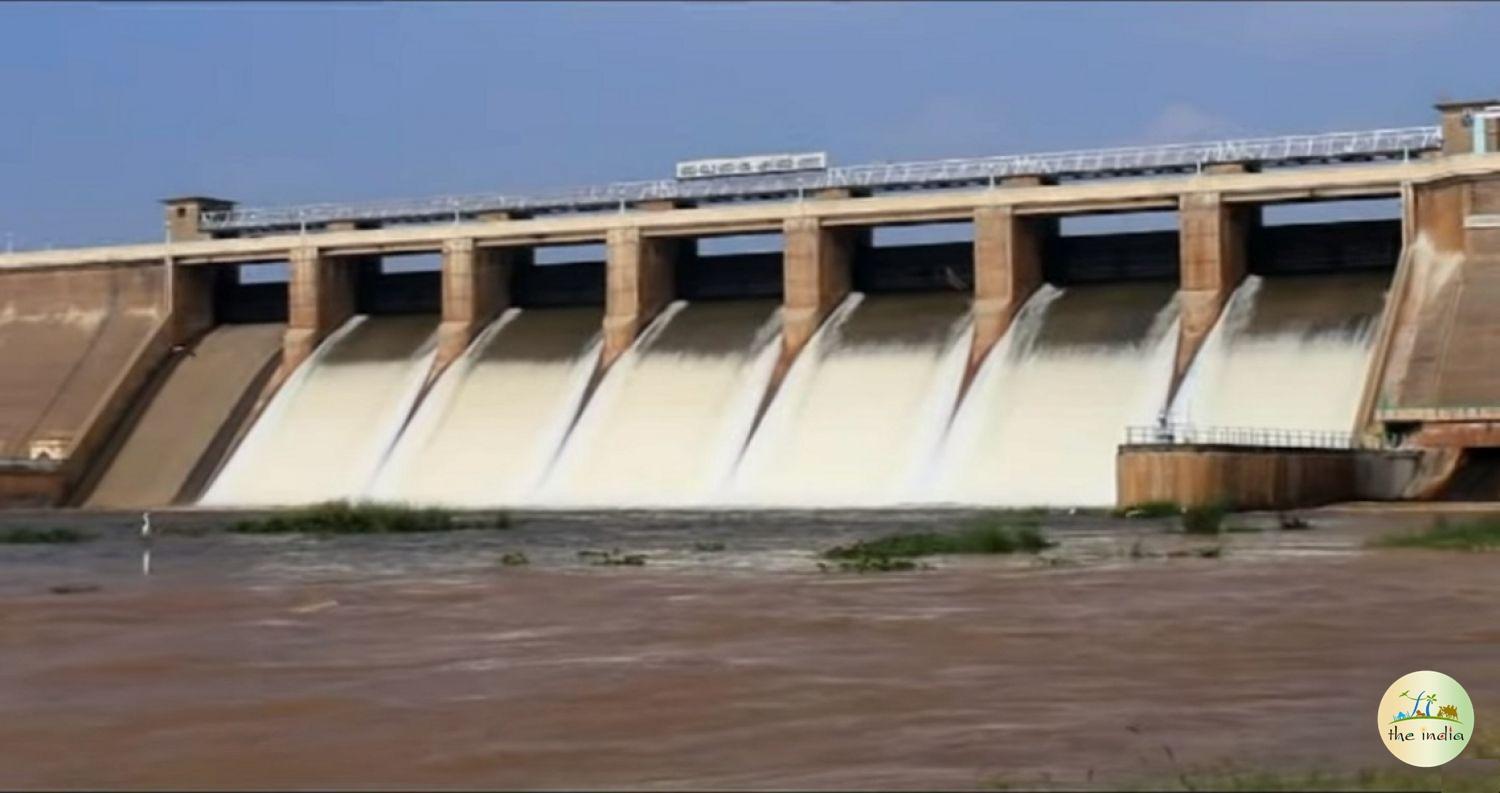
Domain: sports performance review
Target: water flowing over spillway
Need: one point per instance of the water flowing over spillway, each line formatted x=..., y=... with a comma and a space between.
x=862, y=408
x=1289, y=353
x=1051, y=401
x=667, y=423
x=487, y=432
x=327, y=430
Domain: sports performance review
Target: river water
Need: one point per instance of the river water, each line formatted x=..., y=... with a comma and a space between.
x=421, y=661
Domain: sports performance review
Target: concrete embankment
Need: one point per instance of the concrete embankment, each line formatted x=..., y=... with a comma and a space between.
x=70, y=344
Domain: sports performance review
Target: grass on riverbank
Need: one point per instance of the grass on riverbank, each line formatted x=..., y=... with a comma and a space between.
x=1208, y=519
x=1393, y=780
x=23, y=535
x=341, y=517
x=999, y=534
x=1480, y=534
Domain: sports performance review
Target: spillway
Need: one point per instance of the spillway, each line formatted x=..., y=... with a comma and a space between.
x=489, y=429
x=1051, y=401
x=331, y=424
x=857, y=417
x=667, y=423
x=1289, y=353
x=196, y=404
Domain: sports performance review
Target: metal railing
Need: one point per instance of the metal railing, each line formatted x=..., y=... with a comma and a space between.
x=971, y=172
x=1185, y=434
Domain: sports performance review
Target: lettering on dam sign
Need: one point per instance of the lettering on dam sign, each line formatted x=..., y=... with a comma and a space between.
x=752, y=165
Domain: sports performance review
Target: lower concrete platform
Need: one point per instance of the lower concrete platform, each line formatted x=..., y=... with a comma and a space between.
x=1248, y=477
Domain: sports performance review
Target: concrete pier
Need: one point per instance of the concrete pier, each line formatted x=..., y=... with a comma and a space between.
x=476, y=288
x=640, y=272
x=816, y=275
x=320, y=298
x=1212, y=250
x=1007, y=269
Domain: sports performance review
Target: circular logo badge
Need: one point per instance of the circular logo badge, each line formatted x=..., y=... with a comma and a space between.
x=1425, y=719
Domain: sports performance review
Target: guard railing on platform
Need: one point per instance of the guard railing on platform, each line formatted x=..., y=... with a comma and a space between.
x=1184, y=434
x=1377, y=144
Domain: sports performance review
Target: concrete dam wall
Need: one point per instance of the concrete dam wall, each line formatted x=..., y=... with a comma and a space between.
x=872, y=411
x=834, y=372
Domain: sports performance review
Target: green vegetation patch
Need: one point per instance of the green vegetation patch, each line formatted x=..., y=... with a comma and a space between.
x=25, y=535
x=1207, y=519
x=1481, y=534
x=991, y=534
x=341, y=517
x=980, y=538
x=1366, y=780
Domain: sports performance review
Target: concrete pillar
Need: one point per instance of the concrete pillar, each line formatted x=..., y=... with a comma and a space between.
x=640, y=280
x=816, y=275
x=1007, y=269
x=320, y=295
x=1212, y=253
x=191, y=300
x=476, y=287
x=182, y=216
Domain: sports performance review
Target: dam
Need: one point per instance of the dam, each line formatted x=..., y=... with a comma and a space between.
x=286, y=355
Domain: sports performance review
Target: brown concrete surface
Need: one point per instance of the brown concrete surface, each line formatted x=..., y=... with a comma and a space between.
x=476, y=288
x=320, y=297
x=816, y=275
x=640, y=272
x=191, y=407
x=1442, y=361
x=1247, y=479
x=1213, y=251
x=1007, y=269
x=66, y=339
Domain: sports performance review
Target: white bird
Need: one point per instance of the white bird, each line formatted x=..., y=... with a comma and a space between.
x=145, y=525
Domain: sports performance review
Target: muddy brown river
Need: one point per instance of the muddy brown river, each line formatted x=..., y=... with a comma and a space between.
x=380, y=662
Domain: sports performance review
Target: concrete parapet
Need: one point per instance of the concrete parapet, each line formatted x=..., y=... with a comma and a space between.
x=1457, y=434
x=1212, y=252
x=1007, y=269
x=640, y=275
x=476, y=288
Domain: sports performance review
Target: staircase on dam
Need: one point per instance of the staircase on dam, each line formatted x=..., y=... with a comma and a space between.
x=1001, y=370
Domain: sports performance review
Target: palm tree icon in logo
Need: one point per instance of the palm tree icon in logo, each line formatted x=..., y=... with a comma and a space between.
x=1422, y=705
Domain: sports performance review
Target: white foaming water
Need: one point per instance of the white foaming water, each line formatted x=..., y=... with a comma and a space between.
x=326, y=431
x=667, y=422
x=1051, y=401
x=1289, y=353
x=490, y=427
x=862, y=408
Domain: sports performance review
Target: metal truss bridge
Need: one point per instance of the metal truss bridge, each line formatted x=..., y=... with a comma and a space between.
x=1290, y=150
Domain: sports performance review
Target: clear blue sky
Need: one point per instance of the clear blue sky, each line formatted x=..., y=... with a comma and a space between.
x=108, y=108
